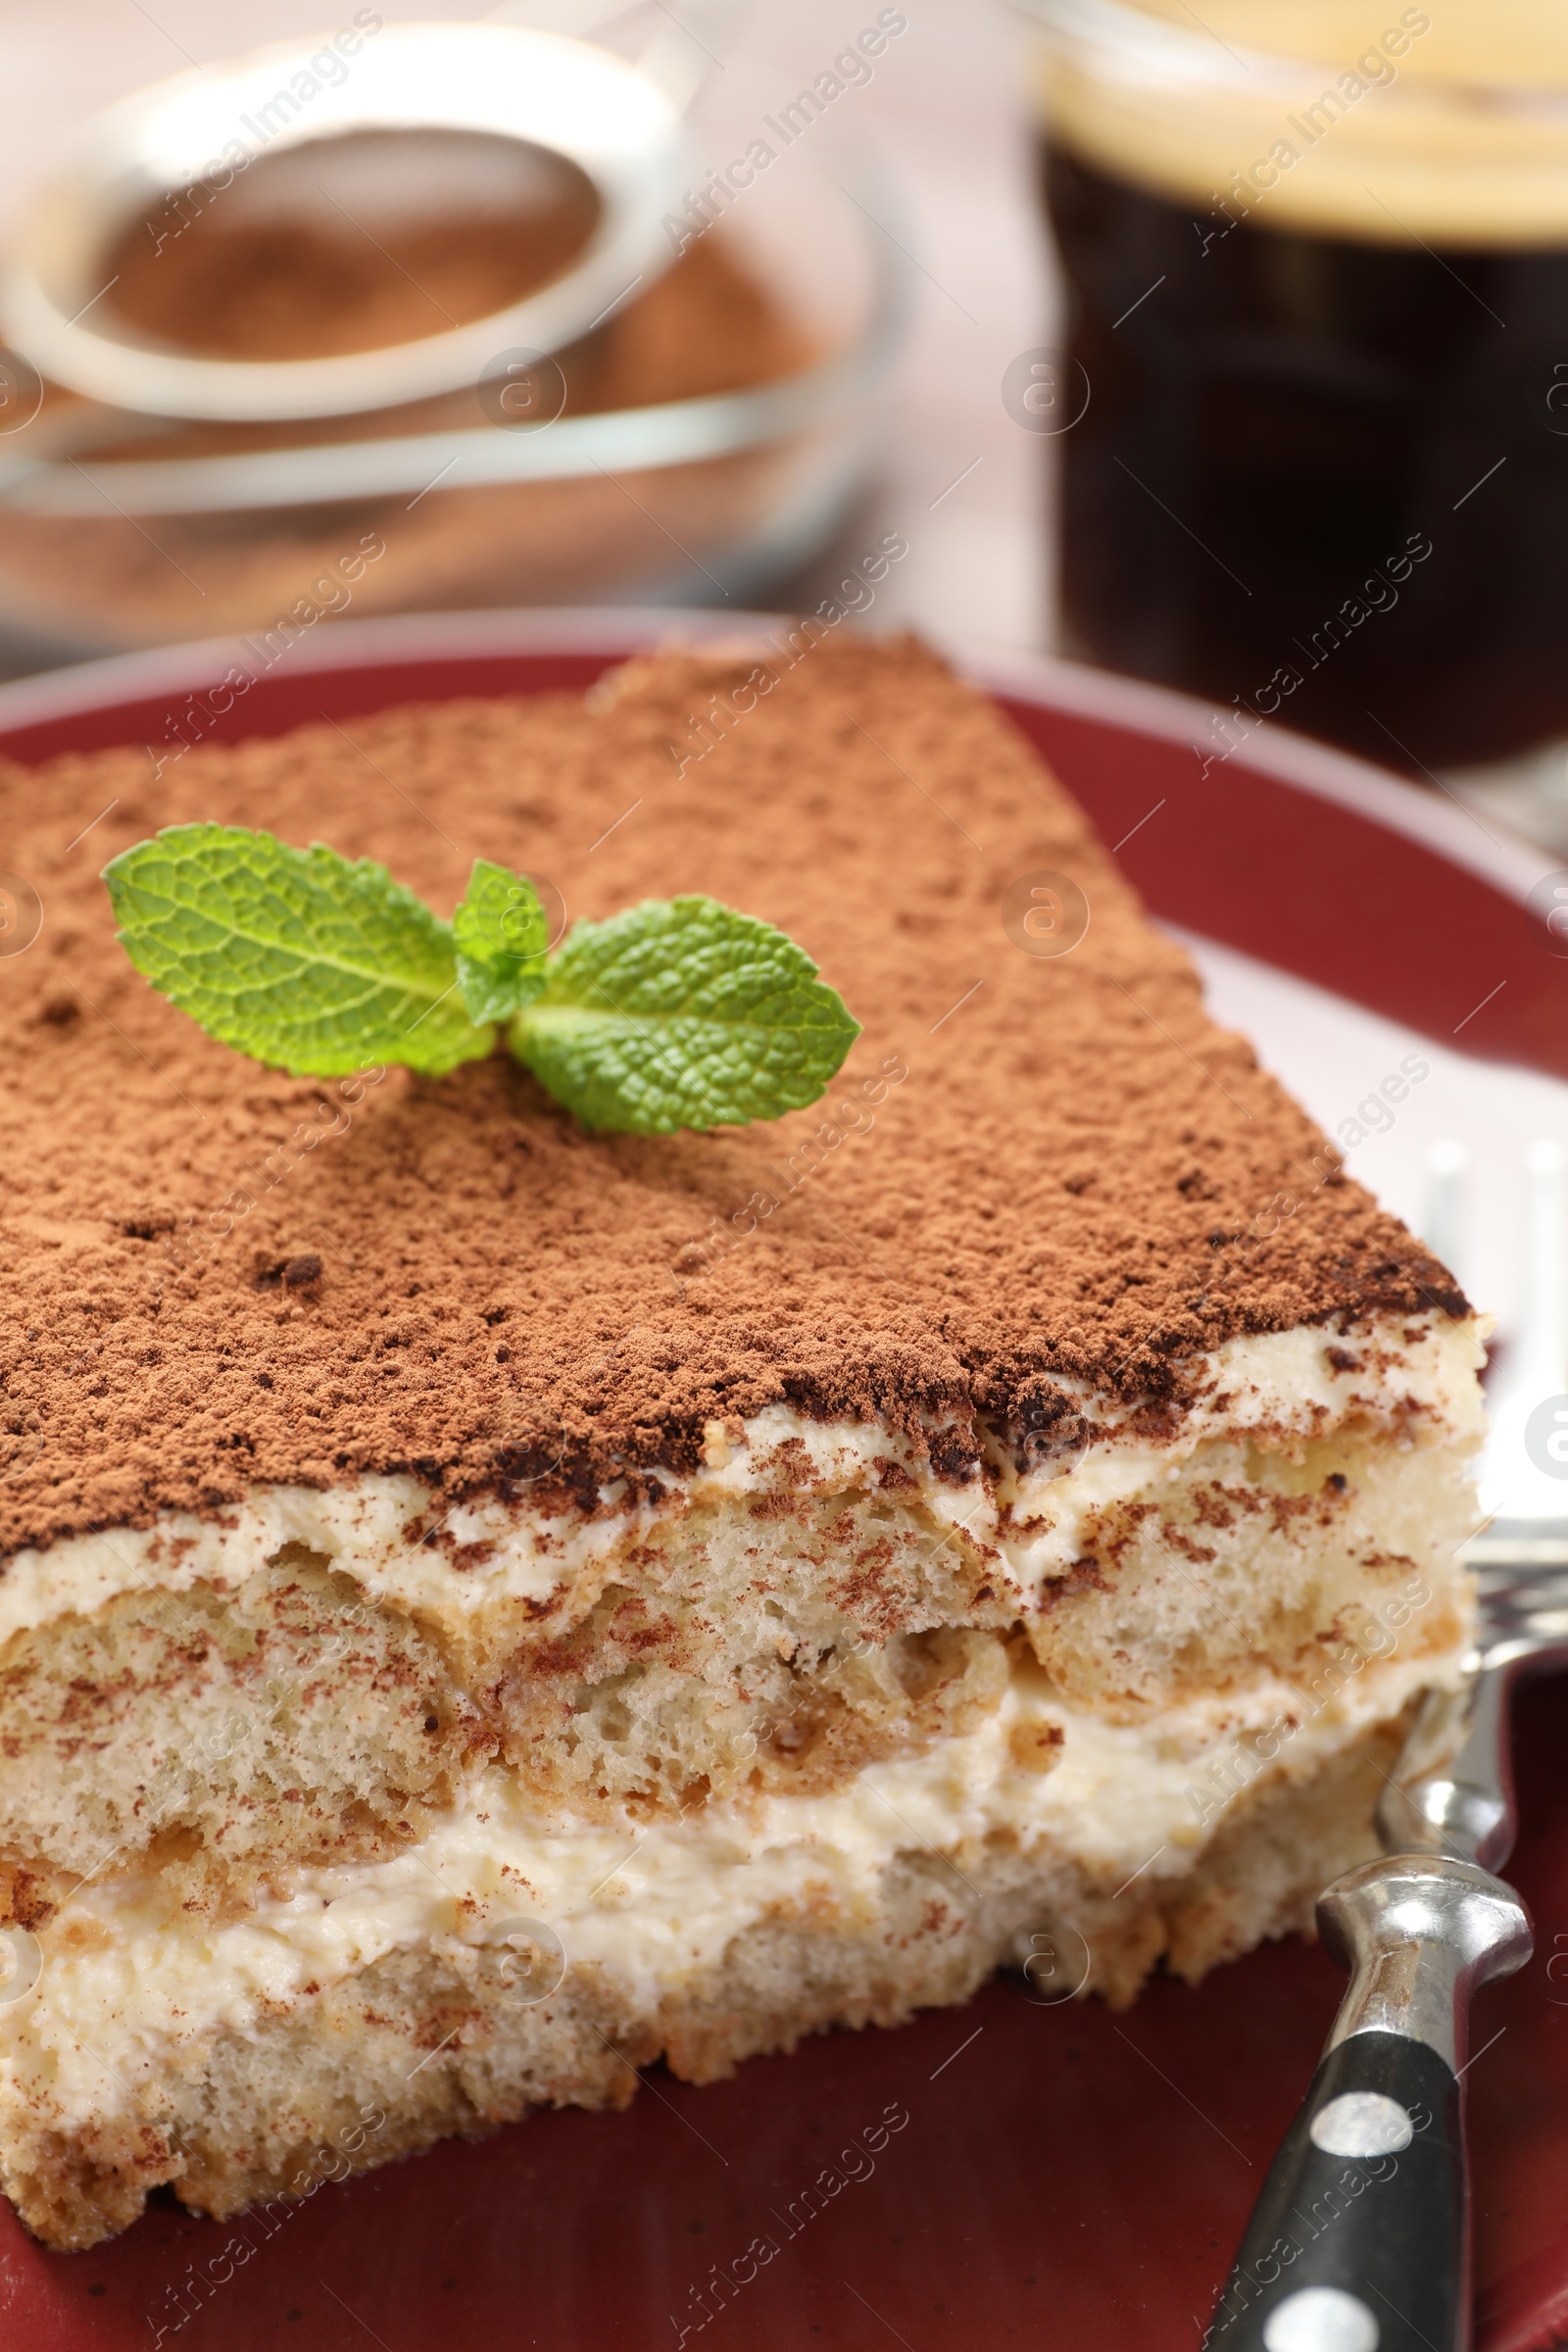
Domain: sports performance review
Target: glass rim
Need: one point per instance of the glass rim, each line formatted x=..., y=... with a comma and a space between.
x=1139, y=46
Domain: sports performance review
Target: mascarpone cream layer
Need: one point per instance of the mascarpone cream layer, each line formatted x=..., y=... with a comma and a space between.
x=125, y=1979
x=1287, y=1381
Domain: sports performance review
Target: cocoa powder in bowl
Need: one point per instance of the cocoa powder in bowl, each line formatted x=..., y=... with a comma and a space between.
x=709, y=325
x=351, y=243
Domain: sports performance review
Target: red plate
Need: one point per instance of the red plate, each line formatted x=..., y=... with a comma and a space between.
x=1063, y=2178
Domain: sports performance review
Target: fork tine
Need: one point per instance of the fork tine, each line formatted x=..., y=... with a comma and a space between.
x=1445, y=1215
x=1524, y=1472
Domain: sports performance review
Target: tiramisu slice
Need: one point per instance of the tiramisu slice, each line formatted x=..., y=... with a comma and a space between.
x=487, y=1602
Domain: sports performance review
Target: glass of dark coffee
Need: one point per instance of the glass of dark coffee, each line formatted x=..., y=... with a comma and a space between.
x=1312, y=398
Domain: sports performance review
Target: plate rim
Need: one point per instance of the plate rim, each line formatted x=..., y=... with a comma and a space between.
x=1506, y=861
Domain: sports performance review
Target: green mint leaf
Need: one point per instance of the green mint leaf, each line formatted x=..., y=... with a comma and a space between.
x=682, y=1014
x=502, y=933
x=309, y=962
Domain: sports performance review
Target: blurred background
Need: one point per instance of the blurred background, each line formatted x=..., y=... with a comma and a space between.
x=899, y=230
x=1228, y=348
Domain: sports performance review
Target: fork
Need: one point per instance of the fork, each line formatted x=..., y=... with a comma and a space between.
x=1360, y=2239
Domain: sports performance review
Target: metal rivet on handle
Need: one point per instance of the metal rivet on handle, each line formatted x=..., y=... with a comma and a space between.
x=1361, y=2123
x=1321, y=2319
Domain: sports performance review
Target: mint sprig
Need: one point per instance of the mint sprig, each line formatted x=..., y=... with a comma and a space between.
x=676, y=1014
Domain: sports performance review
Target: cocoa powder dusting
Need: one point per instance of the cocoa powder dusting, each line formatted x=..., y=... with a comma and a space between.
x=218, y=1275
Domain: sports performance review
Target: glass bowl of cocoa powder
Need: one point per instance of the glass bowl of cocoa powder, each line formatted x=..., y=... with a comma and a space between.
x=700, y=441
